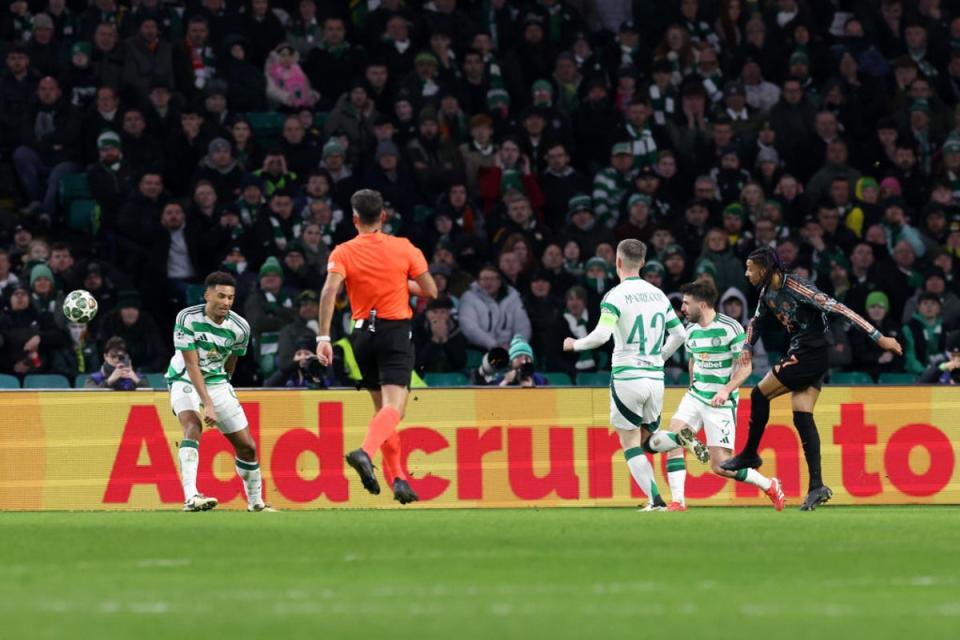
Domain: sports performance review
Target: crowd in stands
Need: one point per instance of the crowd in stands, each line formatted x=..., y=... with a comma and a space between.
x=144, y=144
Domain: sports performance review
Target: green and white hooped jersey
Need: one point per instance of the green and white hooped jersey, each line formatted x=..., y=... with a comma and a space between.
x=640, y=315
x=214, y=343
x=714, y=349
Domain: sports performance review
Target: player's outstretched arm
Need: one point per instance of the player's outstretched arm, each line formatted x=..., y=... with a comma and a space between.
x=596, y=338
x=192, y=362
x=823, y=302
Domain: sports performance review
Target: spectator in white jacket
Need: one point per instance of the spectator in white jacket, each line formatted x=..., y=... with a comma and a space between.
x=491, y=312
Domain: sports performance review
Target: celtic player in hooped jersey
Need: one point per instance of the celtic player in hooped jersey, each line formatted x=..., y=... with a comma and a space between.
x=638, y=316
x=208, y=339
x=714, y=342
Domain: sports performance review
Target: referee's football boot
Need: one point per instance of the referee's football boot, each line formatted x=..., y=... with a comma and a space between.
x=816, y=497
x=402, y=492
x=360, y=461
x=688, y=440
x=742, y=461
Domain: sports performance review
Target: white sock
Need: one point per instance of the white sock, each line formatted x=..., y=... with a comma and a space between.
x=642, y=472
x=663, y=441
x=754, y=477
x=677, y=477
x=249, y=472
x=189, y=455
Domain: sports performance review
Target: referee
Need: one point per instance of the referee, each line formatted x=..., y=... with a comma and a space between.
x=381, y=273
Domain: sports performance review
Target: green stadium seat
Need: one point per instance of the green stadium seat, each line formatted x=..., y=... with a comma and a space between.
x=46, y=381
x=194, y=294
x=73, y=186
x=421, y=213
x=81, y=214
x=557, y=378
x=80, y=380
x=266, y=126
x=453, y=379
x=320, y=119
x=157, y=381
x=9, y=382
x=851, y=378
x=593, y=379
x=752, y=380
x=898, y=378
x=682, y=379
x=474, y=359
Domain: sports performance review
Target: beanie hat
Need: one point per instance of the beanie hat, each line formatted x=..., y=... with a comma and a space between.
x=653, y=265
x=497, y=97
x=387, y=148
x=595, y=261
x=128, y=299
x=639, y=197
x=706, y=266
x=40, y=271
x=218, y=144
x=332, y=148
x=108, y=139
x=271, y=265
x=735, y=209
x=542, y=85
x=81, y=47
x=579, y=202
x=520, y=347
x=878, y=297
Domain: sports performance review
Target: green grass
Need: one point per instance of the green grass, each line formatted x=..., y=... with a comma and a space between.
x=865, y=573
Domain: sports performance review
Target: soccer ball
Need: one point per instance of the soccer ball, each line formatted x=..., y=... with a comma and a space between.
x=80, y=306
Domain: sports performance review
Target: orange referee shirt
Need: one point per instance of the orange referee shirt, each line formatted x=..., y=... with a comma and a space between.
x=376, y=267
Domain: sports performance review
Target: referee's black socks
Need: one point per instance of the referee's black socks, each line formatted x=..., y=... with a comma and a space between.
x=759, y=414
x=810, y=439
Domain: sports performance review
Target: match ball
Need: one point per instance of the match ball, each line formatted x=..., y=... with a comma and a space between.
x=80, y=306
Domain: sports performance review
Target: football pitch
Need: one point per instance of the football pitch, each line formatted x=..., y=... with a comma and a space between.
x=868, y=572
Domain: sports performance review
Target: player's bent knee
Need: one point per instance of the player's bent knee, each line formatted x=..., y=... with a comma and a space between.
x=247, y=452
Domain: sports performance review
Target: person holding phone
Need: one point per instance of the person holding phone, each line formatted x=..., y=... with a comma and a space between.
x=117, y=372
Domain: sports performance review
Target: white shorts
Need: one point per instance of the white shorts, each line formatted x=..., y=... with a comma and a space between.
x=636, y=403
x=230, y=415
x=720, y=423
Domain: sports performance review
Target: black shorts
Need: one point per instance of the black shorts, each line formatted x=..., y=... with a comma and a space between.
x=800, y=370
x=384, y=355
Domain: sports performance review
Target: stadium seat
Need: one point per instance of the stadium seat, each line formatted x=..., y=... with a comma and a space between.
x=557, y=378
x=320, y=119
x=80, y=380
x=9, y=382
x=850, y=378
x=266, y=126
x=454, y=379
x=194, y=294
x=46, y=381
x=752, y=380
x=898, y=378
x=474, y=358
x=593, y=379
x=82, y=214
x=74, y=186
x=157, y=381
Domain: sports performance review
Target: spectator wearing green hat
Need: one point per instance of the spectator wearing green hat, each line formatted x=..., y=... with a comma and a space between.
x=43, y=292
x=268, y=310
x=866, y=355
x=639, y=221
x=582, y=226
x=866, y=209
x=78, y=81
x=611, y=184
x=521, y=372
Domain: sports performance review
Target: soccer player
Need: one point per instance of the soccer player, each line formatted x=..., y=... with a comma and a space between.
x=802, y=310
x=380, y=272
x=637, y=315
x=714, y=341
x=208, y=339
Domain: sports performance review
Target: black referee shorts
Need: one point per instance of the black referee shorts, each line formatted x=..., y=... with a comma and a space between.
x=384, y=355
x=800, y=370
